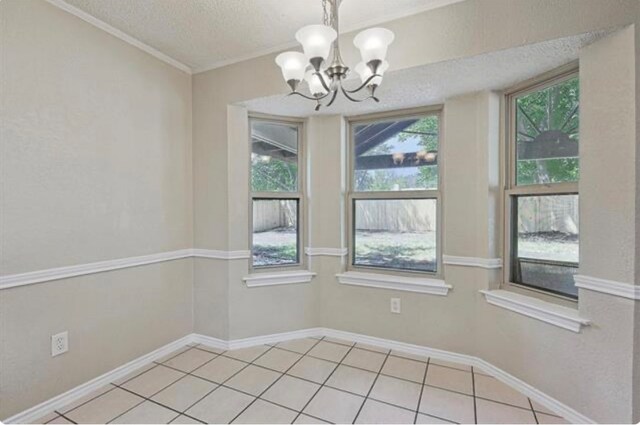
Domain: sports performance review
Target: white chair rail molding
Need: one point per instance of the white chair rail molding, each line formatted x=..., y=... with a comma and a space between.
x=319, y=211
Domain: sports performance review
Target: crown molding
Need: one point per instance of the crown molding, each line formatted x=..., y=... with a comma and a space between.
x=484, y=263
x=610, y=287
x=61, y=4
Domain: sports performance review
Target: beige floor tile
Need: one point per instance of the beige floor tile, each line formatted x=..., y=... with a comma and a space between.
x=351, y=379
x=291, y=392
x=492, y=389
x=102, y=409
x=405, y=369
x=540, y=408
x=133, y=374
x=372, y=348
x=253, y=380
x=153, y=381
x=172, y=354
x=498, y=413
x=146, y=413
x=221, y=406
x=329, y=351
x=266, y=413
x=90, y=396
x=374, y=412
x=219, y=369
x=450, y=364
x=190, y=360
x=339, y=341
x=248, y=354
x=409, y=356
x=447, y=405
x=298, y=345
x=315, y=370
x=184, y=393
x=334, y=406
x=306, y=419
x=549, y=419
x=59, y=420
x=364, y=359
x=210, y=349
x=278, y=359
x=426, y=419
x=46, y=418
x=182, y=419
x=449, y=379
x=396, y=391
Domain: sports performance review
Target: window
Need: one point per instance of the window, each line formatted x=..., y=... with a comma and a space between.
x=542, y=189
x=394, y=193
x=276, y=189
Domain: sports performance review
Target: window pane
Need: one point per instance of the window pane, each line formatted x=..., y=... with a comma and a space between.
x=396, y=155
x=546, y=246
x=547, y=134
x=275, y=232
x=396, y=234
x=274, y=157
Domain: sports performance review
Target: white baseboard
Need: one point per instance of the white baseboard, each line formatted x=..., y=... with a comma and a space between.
x=36, y=412
x=68, y=397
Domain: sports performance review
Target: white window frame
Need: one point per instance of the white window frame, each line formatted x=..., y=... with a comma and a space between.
x=352, y=195
x=299, y=195
x=512, y=190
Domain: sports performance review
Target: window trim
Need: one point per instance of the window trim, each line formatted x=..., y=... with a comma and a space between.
x=511, y=190
x=299, y=195
x=352, y=195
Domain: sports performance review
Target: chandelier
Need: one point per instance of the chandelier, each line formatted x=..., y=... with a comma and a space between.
x=325, y=78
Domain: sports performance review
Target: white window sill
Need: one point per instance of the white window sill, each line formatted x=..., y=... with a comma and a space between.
x=554, y=314
x=400, y=283
x=284, y=278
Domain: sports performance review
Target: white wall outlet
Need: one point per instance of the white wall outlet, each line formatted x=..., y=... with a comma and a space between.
x=395, y=305
x=59, y=343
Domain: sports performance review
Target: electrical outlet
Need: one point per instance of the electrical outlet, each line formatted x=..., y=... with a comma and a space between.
x=59, y=343
x=395, y=305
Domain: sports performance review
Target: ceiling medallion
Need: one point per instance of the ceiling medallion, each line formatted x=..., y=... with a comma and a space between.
x=325, y=81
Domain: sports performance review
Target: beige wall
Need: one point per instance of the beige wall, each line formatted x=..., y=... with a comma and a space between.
x=121, y=122
x=95, y=163
x=547, y=357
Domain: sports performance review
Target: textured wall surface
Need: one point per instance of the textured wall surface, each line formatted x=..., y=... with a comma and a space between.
x=95, y=163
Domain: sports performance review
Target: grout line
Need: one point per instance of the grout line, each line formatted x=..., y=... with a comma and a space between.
x=372, y=385
x=533, y=410
x=323, y=383
x=424, y=380
x=64, y=417
x=59, y=412
x=473, y=387
x=274, y=382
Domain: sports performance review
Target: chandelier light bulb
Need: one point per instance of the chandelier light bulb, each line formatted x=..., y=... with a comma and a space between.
x=364, y=71
x=316, y=40
x=315, y=84
x=373, y=43
x=293, y=65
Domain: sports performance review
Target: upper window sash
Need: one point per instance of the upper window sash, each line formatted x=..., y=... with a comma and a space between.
x=543, y=125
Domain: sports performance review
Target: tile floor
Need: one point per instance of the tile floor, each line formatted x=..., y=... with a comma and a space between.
x=303, y=381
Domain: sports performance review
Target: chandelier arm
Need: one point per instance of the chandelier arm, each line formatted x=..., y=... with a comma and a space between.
x=363, y=85
x=333, y=98
x=324, y=83
x=346, y=94
x=308, y=97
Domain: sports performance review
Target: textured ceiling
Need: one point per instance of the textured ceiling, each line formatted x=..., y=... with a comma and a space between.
x=203, y=34
x=433, y=83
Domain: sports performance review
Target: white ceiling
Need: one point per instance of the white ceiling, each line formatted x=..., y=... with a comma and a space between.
x=204, y=34
x=433, y=83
